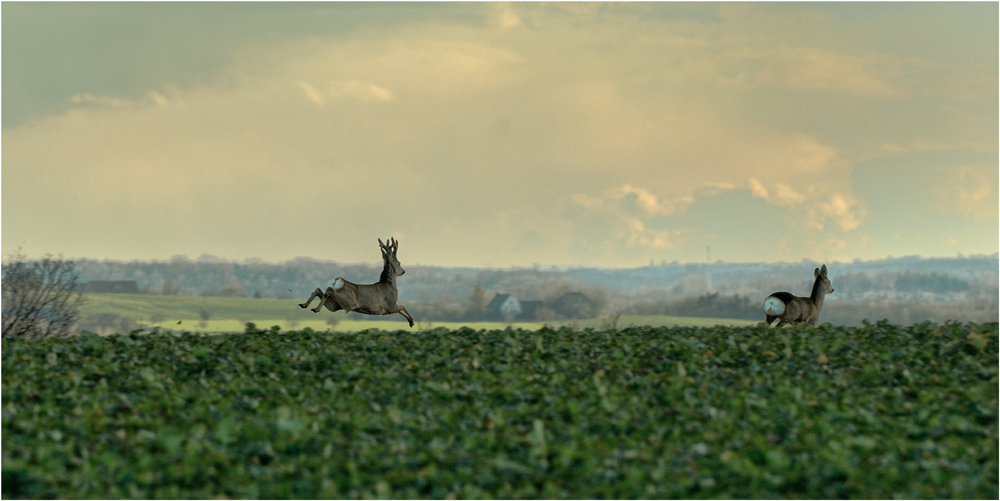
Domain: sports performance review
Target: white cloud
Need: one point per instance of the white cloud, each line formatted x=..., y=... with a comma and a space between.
x=780, y=194
x=970, y=190
x=351, y=89
x=806, y=68
x=611, y=199
x=152, y=97
x=844, y=210
x=505, y=16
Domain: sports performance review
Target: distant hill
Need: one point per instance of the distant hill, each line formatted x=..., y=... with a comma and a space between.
x=932, y=279
x=982, y=269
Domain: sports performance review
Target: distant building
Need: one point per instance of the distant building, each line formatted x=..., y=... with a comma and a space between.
x=503, y=305
x=575, y=305
x=529, y=310
x=506, y=305
x=111, y=287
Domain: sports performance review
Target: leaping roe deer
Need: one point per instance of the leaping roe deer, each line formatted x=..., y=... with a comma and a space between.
x=791, y=309
x=371, y=299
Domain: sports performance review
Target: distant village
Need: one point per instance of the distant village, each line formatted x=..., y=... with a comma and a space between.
x=910, y=287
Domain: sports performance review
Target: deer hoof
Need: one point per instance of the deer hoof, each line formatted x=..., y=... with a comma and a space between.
x=316, y=310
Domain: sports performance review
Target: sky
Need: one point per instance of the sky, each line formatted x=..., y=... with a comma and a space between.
x=497, y=135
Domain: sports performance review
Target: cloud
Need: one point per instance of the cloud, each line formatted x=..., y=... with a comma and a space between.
x=504, y=16
x=588, y=131
x=780, y=194
x=621, y=197
x=638, y=234
x=842, y=209
x=345, y=89
x=152, y=97
x=807, y=68
x=970, y=190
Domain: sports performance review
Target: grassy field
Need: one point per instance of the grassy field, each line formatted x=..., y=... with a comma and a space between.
x=230, y=314
x=879, y=412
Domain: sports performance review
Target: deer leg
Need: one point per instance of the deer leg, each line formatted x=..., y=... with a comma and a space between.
x=316, y=293
x=331, y=303
x=406, y=313
x=323, y=298
x=770, y=318
x=340, y=300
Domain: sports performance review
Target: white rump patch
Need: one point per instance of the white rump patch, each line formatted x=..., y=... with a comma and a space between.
x=336, y=284
x=774, y=306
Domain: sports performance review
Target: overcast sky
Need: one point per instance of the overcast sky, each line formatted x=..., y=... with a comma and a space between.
x=500, y=134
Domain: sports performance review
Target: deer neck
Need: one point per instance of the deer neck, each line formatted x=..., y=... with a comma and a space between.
x=818, y=294
x=387, y=277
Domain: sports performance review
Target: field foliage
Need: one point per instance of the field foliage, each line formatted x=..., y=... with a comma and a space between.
x=745, y=412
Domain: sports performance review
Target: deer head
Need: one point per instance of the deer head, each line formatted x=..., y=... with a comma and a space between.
x=822, y=282
x=389, y=256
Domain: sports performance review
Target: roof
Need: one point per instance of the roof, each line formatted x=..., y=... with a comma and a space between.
x=498, y=300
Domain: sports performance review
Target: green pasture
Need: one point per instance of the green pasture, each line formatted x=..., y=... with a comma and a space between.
x=231, y=314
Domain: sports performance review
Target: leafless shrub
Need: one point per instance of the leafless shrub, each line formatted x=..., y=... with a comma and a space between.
x=40, y=298
x=204, y=314
x=546, y=315
x=333, y=320
x=610, y=321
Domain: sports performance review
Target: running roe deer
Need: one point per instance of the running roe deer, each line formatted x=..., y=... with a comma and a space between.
x=791, y=309
x=371, y=299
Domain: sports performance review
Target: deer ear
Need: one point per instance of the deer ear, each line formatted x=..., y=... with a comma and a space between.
x=822, y=271
x=816, y=273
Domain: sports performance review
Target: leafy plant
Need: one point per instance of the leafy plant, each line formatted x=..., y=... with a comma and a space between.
x=740, y=412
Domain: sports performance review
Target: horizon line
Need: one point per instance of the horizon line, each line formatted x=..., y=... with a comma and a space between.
x=211, y=259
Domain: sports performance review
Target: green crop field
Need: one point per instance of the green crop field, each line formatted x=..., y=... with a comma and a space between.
x=230, y=314
x=644, y=412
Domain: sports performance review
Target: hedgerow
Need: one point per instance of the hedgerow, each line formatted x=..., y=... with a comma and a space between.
x=742, y=412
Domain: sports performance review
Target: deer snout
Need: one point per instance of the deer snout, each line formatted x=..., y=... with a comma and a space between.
x=401, y=271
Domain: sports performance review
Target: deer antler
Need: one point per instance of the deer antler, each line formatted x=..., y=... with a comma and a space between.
x=385, y=250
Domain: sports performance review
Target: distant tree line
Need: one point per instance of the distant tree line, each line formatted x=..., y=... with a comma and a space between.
x=464, y=294
x=207, y=276
x=537, y=304
x=711, y=305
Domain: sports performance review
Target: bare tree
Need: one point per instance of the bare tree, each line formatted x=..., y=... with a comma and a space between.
x=40, y=298
x=475, y=304
x=205, y=315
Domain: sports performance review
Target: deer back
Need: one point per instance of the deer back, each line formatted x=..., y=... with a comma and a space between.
x=805, y=310
x=376, y=299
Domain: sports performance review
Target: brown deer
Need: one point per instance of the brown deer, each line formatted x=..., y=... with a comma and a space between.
x=791, y=309
x=372, y=299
